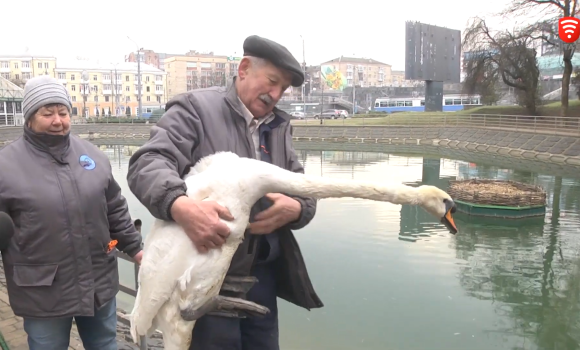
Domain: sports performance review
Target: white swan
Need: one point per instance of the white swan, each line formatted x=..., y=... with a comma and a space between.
x=175, y=277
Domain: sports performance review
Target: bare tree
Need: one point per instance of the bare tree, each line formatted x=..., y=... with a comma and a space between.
x=575, y=81
x=504, y=55
x=546, y=31
x=18, y=82
x=482, y=79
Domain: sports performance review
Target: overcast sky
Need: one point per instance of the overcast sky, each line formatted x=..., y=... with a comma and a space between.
x=371, y=29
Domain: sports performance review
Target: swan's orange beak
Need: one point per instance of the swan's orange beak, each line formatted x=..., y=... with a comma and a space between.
x=447, y=219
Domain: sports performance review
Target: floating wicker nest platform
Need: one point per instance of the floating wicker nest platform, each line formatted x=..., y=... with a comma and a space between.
x=505, y=193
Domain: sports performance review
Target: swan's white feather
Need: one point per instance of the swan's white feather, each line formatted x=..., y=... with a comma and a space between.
x=175, y=276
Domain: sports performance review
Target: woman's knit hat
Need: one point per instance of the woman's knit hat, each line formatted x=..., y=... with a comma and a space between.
x=41, y=91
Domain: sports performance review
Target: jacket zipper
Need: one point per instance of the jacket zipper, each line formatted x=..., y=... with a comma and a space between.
x=252, y=149
x=70, y=234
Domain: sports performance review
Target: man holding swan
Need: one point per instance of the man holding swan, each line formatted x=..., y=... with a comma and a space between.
x=241, y=119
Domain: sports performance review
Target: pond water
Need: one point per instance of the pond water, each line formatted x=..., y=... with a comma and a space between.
x=495, y=285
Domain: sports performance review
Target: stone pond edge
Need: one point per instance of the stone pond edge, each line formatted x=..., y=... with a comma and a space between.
x=128, y=131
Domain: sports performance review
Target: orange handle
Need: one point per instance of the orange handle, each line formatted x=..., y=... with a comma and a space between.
x=111, y=245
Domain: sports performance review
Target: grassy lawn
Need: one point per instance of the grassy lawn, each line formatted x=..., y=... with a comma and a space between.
x=442, y=118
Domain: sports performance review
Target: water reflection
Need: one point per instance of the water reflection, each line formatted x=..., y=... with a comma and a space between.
x=497, y=284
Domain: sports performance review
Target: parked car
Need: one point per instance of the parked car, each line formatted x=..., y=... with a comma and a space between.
x=329, y=114
x=344, y=113
x=297, y=115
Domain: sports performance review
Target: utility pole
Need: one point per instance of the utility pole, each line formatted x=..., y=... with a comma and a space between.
x=113, y=86
x=138, y=78
x=303, y=84
x=85, y=78
x=139, y=83
x=354, y=94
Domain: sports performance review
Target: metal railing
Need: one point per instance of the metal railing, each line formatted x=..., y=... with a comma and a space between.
x=132, y=292
x=562, y=126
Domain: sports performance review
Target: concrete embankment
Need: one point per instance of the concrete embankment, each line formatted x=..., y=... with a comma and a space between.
x=556, y=149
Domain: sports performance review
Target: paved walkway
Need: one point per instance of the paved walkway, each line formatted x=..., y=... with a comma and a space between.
x=13, y=330
x=11, y=325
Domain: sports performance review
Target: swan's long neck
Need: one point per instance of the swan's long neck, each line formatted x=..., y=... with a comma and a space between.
x=282, y=181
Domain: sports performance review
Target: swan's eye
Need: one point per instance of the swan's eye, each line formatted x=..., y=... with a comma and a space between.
x=445, y=200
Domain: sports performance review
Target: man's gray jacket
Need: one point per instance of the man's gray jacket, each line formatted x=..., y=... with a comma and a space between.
x=200, y=123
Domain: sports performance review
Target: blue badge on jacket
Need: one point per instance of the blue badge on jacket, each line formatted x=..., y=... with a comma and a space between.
x=87, y=162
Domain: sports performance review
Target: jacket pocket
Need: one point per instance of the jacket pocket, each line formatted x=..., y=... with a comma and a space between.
x=35, y=288
x=107, y=285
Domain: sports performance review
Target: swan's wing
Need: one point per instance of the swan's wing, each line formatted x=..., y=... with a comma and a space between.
x=203, y=279
x=164, y=261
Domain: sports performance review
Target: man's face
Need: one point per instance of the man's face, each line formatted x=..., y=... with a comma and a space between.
x=261, y=86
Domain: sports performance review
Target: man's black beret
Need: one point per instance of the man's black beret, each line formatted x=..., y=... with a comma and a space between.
x=277, y=54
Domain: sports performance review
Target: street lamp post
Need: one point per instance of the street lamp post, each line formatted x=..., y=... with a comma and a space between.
x=139, y=83
x=138, y=78
x=303, y=84
x=85, y=79
x=115, y=92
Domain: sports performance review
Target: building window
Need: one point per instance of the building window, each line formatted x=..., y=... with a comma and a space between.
x=46, y=65
x=148, y=99
x=148, y=89
x=159, y=99
x=4, y=64
x=95, y=88
x=106, y=98
x=158, y=78
x=94, y=77
x=40, y=65
x=25, y=76
x=62, y=76
x=106, y=77
x=127, y=88
x=128, y=99
x=96, y=98
x=72, y=77
x=73, y=88
x=147, y=78
x=25, y=64
x=16, y=66
x=126, y=78
x=74, y=99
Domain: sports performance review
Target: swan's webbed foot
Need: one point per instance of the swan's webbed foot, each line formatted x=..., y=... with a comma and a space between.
x=226, y=307
x=238, y=284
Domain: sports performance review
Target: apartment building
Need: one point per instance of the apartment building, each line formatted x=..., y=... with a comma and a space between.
x=344, y=71
x=150, y=57
x=19, y=68
x=312, y=80
x=197, y=70
x=111, y=89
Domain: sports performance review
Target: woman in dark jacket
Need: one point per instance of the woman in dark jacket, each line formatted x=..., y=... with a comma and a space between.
x=70, y=219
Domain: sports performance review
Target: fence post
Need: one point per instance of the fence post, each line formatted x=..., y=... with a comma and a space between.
x=142, y=339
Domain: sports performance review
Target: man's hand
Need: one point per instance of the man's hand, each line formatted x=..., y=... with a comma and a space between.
x=138, y=257
x=283, y=211
x=201, y=222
